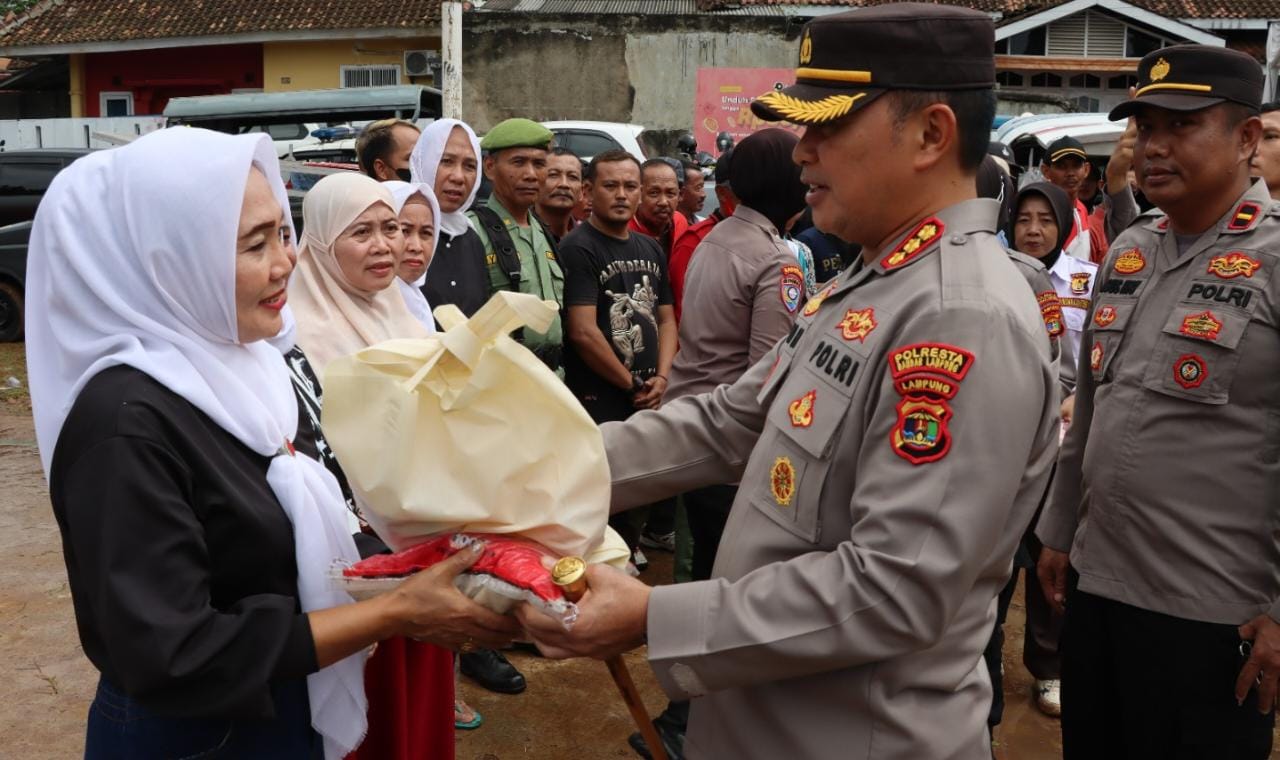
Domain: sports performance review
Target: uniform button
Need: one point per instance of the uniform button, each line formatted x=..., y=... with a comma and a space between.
x=959, y=239
x=454, y=283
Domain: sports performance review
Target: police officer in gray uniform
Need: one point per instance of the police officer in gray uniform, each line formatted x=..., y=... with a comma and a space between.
x=891, y=449
x=1166, y=491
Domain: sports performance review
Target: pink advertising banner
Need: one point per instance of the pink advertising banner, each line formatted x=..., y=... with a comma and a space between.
x=723, y=102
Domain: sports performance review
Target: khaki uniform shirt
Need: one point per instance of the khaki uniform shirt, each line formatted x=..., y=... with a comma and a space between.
x=1166, y=488
x=1051, y=311
x=742, y=291
x=891, y=451
x=540, y=273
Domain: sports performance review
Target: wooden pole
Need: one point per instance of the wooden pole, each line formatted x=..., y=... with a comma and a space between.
x=570, y=574
x=451, y=58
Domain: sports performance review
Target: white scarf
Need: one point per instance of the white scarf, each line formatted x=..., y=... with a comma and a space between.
x=133, y=263
x=414, y=298
x=425, y=160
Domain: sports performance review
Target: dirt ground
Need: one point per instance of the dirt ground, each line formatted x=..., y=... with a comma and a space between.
x=570, y=710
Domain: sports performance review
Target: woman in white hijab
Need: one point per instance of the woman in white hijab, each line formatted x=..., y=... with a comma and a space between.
x=342, y=294
x=419, y=214
x=447, y=159
x=197, y=545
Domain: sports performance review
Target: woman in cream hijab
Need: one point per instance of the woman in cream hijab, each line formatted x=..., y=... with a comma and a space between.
x=341, y=293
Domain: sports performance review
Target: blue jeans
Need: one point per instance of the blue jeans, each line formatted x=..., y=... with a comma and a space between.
x=120, y=728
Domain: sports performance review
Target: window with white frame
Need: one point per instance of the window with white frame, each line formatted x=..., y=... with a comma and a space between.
x=370, y=76
x=115, y=103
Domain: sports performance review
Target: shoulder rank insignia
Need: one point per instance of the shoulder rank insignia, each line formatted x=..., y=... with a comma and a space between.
x=1244, y=217
x=927, y=376
x=1232, y=265
x=857, y=325
x=1130, y=262
x=782, y=481
x=1080, y=282
x=1203, y=325
x=915, y=244
x=814, y=303
x=1051, y=312
x=1189, y=371
x=791, y=287
x=1096, y=356
x=801, y=410
x=1105, y=316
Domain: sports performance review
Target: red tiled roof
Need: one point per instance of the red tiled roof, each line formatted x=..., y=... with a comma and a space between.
x=1173, y=9
x=65, y=22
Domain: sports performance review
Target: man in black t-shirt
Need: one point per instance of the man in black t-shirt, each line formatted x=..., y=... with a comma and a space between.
x=619, y=320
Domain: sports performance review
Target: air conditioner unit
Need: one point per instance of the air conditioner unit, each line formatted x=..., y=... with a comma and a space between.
x=421, y=63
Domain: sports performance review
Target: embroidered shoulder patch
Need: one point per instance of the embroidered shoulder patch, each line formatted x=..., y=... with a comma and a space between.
x=1095, y=357
x=858, y=324
x=1105, y=316
x=1130, y=261
x=1051, y=312
x=1204, y=325
x=812, y=306
x=791, y=287
x=915, y=244
x=782, y=481
x=1080, y=283
x=1190, y=371
x=1232, y=265
x=927, y=376
x=1244, y=217
x=801, y=410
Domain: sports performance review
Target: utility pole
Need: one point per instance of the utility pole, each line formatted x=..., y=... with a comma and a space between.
x=451, y=57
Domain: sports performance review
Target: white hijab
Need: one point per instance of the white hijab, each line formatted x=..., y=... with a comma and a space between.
x=133, y=255
x=425, y=160
x=335, y=318
x=414, y=298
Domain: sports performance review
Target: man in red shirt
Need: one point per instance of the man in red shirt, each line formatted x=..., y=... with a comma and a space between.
x=659, y=194
x=682, y=251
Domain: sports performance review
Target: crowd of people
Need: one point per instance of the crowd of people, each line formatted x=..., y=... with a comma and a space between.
x=838, y=399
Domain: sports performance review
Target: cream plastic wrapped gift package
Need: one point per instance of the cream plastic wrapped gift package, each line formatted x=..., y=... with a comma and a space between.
x=468, y=431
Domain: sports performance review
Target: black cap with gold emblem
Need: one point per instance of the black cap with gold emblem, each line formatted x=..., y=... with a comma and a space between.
x=1191, y=77
x=847, y=59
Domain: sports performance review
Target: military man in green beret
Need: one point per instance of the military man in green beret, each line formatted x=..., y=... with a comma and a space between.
x=519, y=253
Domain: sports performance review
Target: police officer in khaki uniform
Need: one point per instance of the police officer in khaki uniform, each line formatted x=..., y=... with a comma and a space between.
x=1166, y=492
x=891, y=449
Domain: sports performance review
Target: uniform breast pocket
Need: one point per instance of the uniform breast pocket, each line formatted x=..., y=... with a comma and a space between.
x=804, y=421
x=1109, y=322
x=1195, y=356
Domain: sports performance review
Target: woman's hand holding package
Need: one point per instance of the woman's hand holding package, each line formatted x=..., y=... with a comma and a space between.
x=430, y=608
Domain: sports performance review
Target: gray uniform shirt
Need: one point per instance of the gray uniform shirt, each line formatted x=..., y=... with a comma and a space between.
x=743, y=288
x=891, y=450
x=1166, y=488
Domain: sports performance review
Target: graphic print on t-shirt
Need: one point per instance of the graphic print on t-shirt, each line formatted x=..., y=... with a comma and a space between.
x=628, y=337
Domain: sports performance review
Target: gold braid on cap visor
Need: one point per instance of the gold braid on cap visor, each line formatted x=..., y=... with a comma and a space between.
x=810, y=112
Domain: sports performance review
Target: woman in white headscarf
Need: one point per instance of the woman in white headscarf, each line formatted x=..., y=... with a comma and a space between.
x=419, y=214
x=197, y=544
x=342, y=294
x=447, y=159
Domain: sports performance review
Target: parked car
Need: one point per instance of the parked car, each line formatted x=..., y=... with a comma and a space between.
x=13, y=273
x=589, y=138
x=288, y=137
x=25, y=176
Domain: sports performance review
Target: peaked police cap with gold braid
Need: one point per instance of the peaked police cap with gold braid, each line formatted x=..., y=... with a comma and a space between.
x=1191, y=77
x=847, y=59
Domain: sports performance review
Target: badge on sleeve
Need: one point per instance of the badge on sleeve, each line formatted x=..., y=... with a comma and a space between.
x=791, y=287
x=1051, y=312
x=857, y=325
x=801, y=410
x=1080, y=283
x=927, y=376
x=1233, y=265
x=782, y=481
x=1189, y=371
